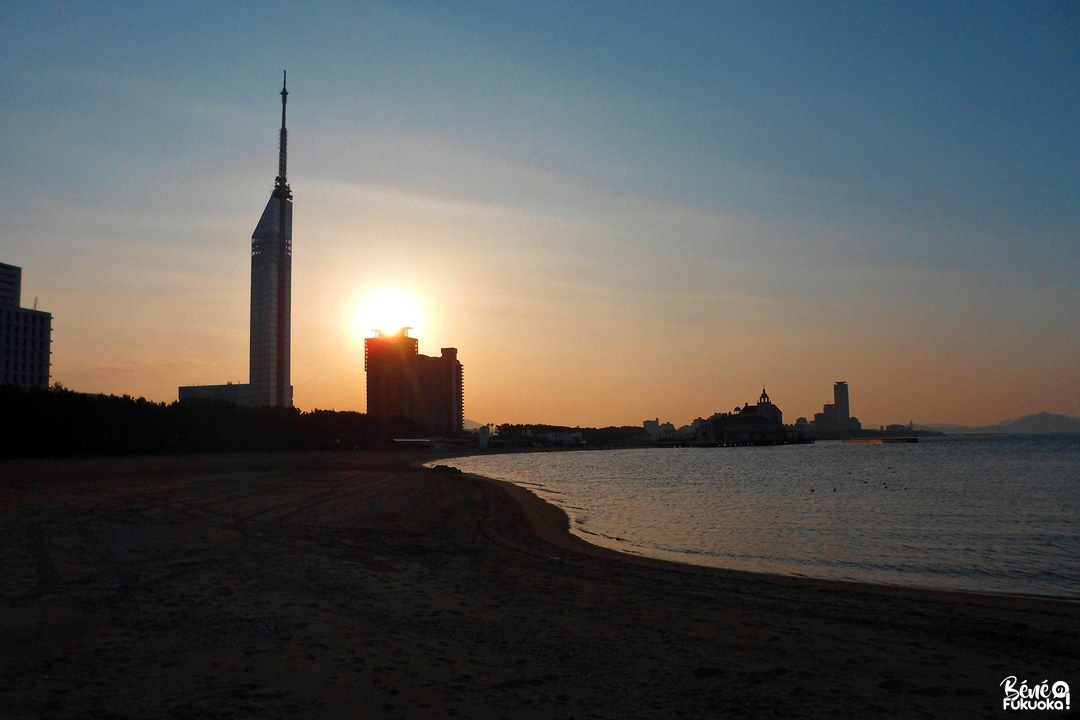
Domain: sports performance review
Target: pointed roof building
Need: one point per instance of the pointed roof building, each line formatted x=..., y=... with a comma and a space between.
x=271, y=289
x=269, y=372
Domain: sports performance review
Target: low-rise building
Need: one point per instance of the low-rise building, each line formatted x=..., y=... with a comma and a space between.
x=760, y=424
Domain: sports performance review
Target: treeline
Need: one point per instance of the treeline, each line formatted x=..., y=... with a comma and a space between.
x=60, y=422
x=56, y=422
x=613, y=436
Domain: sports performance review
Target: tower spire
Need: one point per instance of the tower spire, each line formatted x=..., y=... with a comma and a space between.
x=281, y=185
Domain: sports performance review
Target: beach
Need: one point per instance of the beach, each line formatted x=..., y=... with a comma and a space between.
x=363, y=585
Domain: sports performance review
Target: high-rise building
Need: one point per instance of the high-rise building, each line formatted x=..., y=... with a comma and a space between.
x=25, y=335
x=10, y=285
x=271, y=289
x=401, y=383
x=840, y=401
x=269, y=376
x=835, y=419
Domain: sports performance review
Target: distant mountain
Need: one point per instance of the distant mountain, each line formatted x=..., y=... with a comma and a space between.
x=471, y=424
x=1044, y=422
x=1041, y=423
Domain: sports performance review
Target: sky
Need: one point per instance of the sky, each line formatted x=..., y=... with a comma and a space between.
x=616, y=211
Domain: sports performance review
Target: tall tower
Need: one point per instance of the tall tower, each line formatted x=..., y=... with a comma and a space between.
x=843, y=410
x=271, y=289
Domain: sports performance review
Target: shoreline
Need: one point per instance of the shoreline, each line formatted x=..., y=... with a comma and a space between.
x=552, y=524
x=553, y=530
x=356, y=585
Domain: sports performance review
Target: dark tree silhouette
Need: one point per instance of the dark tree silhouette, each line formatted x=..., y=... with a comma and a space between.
x=58, y=421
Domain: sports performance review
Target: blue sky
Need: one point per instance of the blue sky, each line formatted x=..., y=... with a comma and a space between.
x=615, y=210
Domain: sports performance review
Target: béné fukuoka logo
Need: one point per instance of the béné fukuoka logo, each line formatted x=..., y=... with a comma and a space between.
x=1040, y=696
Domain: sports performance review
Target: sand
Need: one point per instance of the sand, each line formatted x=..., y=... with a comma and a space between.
x=353, y=586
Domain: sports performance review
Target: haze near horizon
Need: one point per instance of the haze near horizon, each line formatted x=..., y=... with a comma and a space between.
x=615, y=211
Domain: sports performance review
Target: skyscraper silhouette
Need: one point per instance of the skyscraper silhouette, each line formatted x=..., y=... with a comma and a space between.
x=271, y=289
x=843, y=409
x=269, y=380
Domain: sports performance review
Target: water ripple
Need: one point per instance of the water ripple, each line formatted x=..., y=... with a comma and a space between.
x=987, y=514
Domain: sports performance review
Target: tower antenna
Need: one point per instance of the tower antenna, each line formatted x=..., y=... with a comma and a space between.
x=282, y=184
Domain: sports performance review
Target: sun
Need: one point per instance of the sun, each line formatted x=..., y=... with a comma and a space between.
x=388, y=310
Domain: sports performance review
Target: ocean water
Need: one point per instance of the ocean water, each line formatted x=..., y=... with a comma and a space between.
x=994, y=514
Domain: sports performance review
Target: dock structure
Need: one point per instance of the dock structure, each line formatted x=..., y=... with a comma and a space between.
x=880, y=440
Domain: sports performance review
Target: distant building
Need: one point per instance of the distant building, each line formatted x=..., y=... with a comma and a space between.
x=835, y=417
x=760, y=424
x=401, y=383
x=660, y=432
x=840, y=400
x=560, y=439
x=25, y=335
x=270, y=351
x=238, y=393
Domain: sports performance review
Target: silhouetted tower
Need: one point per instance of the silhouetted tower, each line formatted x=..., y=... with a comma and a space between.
x=271, y=289
x=840, y=401
x=767, y=410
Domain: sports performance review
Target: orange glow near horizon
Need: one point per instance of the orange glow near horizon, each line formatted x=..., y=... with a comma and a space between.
x=387, y=310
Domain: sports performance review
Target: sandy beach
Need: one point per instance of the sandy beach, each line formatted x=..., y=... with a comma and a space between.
x=356, y=585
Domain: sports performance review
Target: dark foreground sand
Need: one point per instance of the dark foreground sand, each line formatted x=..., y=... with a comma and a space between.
x=350, y=586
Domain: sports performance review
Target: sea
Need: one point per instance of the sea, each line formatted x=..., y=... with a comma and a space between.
x=993, y=514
